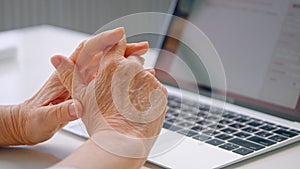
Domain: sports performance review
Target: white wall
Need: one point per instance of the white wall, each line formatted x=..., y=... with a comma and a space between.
x=81, y=15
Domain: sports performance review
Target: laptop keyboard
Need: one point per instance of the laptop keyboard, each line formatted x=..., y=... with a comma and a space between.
x=229, y=130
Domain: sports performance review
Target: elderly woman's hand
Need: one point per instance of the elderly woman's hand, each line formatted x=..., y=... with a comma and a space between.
x=124, y=106
x=39, y=117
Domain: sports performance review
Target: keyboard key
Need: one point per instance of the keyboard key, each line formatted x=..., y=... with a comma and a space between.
x=168, y=116
x=212, y=118
x=170, y=110
x=174, y=128
x=223, y=136
x=229, y=130
x=229, y=116
x=201, y=137
x=260, y=140
x=295, y=131
x=215, y=109
x=215, y=142
x=189, y=103
x=187, y=132
x=203, y=122
x=202, y=114
x=210, y=132
x=166, y=125
x=241, y=119
x=170, y=97
x=277, y=138
x=203, y=107
x=217, y=112
x=237, y=125
x=243, y=151
x=256, y=120
x=283, y=127
x=198, y=128
x=225, y=121
x=184, y=108
x=269, y=123
x=250, y=129
x=185, y=124
x=263, y=134
x=191, y=118
x=268, y=127
x=246, y=144
x=184, y=115
x=285, y=133
x=175, y=113
x=174, y=105
x=170, y=102
x=242, y=134
x=216, y=126
x=230, y=112
x=193, y=111
x=229, y=146
x=254, y=124
x=173, y=120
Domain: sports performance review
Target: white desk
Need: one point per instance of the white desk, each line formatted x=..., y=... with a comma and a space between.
x=22, y=75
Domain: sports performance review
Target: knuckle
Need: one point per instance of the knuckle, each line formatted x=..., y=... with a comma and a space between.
x=58, y=113
x=66, y=78
x=80, y=46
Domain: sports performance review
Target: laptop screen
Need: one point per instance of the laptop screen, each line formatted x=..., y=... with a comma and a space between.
x=258, y=42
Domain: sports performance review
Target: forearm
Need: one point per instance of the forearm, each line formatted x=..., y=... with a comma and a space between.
x=8, y=126
x=89, y=155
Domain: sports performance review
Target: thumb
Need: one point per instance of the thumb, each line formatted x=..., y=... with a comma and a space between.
x=61, y=113
x=119, y=48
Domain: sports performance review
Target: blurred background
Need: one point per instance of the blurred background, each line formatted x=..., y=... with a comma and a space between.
x=84, y=16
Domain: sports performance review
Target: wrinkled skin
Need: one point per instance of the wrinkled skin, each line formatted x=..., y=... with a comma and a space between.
x=38, y=118
x=100, y=111
x=139, y=90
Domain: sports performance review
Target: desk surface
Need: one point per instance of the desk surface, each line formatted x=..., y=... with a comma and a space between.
x=27, y=67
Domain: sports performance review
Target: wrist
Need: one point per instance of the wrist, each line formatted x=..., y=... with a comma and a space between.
x=115, y=160
x=9, y=119
x=90, y=155
x=120, y=144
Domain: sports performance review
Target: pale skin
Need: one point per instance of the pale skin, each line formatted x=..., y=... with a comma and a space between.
x=53, y=102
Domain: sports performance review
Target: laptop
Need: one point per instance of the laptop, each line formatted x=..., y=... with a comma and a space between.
x=258, y=45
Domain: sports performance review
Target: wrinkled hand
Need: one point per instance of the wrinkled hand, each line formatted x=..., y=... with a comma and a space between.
x=39, y=117
x=124, y=104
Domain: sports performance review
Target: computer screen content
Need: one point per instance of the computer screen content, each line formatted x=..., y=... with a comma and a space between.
x=258, y=42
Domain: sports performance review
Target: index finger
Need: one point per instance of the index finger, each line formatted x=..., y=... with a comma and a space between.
x=100, y=42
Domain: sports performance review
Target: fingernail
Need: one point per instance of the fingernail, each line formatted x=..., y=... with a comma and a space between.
x=119, y=28
x=152, y=71
x=143, y=43
x=56, y=62
x=72, y=110
x=115, y=30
